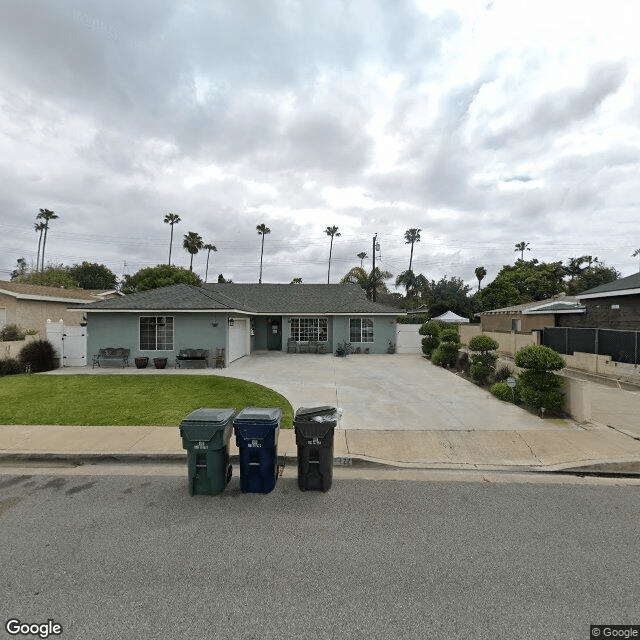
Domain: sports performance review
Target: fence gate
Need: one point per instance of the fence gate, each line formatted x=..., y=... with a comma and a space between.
x=70, y=343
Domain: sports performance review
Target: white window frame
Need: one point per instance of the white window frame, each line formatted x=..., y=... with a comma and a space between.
x=305, y=329
x=364, y=333
x=163, y=333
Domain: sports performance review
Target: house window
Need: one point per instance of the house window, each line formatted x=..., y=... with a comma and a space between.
x=360, y=330
x=516, y=325
x=305, y=329
x=156, y=333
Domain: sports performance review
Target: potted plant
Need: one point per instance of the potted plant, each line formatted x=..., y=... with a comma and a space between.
x=141, y=362
x=159, y=363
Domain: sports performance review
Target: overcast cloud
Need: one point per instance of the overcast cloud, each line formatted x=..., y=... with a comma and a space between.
x=484, y=123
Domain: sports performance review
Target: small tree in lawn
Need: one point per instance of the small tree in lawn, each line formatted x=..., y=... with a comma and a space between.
x=431, y=332
x=539, y=386
x=483, y=362
x=447, y=352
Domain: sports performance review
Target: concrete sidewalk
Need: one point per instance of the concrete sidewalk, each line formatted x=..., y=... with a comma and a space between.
x=556, y=446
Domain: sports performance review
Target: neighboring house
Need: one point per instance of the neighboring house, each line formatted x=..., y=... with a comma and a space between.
x=30, y=305
x=241, y=318
x=615, y=305
x=533, y=316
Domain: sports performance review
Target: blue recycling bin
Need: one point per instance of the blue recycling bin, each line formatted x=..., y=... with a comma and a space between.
x=257, y=431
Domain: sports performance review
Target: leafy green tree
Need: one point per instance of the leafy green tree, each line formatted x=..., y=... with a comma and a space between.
x=223, y=280
x=448, y=294
x=592, y=275
x=539, y=386
x=21, y=269
x=90, y=275
x=431, y=332
x=522, y=247
x=331, y=232
x=411, y=236
x=481, y=272
x=209, y=248
x=54, y=276
x=525, y=281
x=171, y=218
x=192, y=243
x=46, y=215
x=163, y=275
x=262, y=230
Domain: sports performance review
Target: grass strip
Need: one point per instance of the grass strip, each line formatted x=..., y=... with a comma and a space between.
x=127, y=399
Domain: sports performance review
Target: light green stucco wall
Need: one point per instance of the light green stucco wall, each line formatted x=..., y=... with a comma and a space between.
x=190, y=331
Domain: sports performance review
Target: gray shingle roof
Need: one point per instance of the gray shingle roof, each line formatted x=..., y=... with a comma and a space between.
x=287, y=299
x=552, y=305
x=629, y=283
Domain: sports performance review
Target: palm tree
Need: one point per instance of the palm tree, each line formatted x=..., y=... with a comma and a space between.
x=171, y=218
x=46, y=215
x=481, y=272
x=296, y=281
x=331, y=232
x=411, y=236
x=411, y=282
x=522, y=247
x=372, y=282
x=192, y=243
x=209, y=248
x=636, y=253
x=362, y=255
x=262, y=230
x=39, y=228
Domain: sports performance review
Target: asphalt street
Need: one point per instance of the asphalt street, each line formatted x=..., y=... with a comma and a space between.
x=124, y=556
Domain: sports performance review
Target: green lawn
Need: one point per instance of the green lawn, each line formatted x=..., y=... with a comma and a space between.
x=126, y=399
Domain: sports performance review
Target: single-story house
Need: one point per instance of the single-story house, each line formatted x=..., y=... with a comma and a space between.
x=30, y=305
x=532, y=316
x=240, y=318
x=615, y=305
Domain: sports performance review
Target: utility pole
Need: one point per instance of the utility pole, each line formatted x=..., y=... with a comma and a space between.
x=373, y=272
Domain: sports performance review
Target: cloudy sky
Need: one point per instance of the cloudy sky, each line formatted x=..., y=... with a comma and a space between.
x=481, y=122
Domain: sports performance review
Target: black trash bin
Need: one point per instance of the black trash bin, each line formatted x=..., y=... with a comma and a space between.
x=205, y=435
x=314, y=437
x=257, y=431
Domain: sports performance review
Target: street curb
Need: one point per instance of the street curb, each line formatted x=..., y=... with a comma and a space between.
x=626, y=468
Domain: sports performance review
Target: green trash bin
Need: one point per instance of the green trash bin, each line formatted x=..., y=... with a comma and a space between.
x=205, y=435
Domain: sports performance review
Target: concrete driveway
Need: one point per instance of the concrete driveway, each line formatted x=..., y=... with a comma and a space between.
x=383, y=392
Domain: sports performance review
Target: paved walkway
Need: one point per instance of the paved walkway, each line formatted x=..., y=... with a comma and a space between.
x=396, y=410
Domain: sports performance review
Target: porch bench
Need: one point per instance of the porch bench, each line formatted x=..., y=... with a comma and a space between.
x=193, y=355
x=118, y=354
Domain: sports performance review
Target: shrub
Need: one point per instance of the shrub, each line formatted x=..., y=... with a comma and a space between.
x=502, y=374
x=539, y=387
x=430, y=328
x=11, y=332
x=447, y=352
x=343, y=349
x=38, y=355
x=429, y=344
x=9, y=367
x=483, y=361
x=450, y=335
x=503, y=391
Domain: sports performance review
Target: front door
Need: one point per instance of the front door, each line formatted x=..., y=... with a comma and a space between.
x=274, y=334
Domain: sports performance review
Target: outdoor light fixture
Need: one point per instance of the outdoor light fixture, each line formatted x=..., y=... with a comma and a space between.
x=231, y=322
x=214, y=323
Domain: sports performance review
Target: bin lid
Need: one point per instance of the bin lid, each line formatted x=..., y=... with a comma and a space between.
x=259, y=415
x=308, y=413
x=208, y=417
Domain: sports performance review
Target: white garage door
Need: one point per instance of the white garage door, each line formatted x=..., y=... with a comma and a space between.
x=238, y=339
